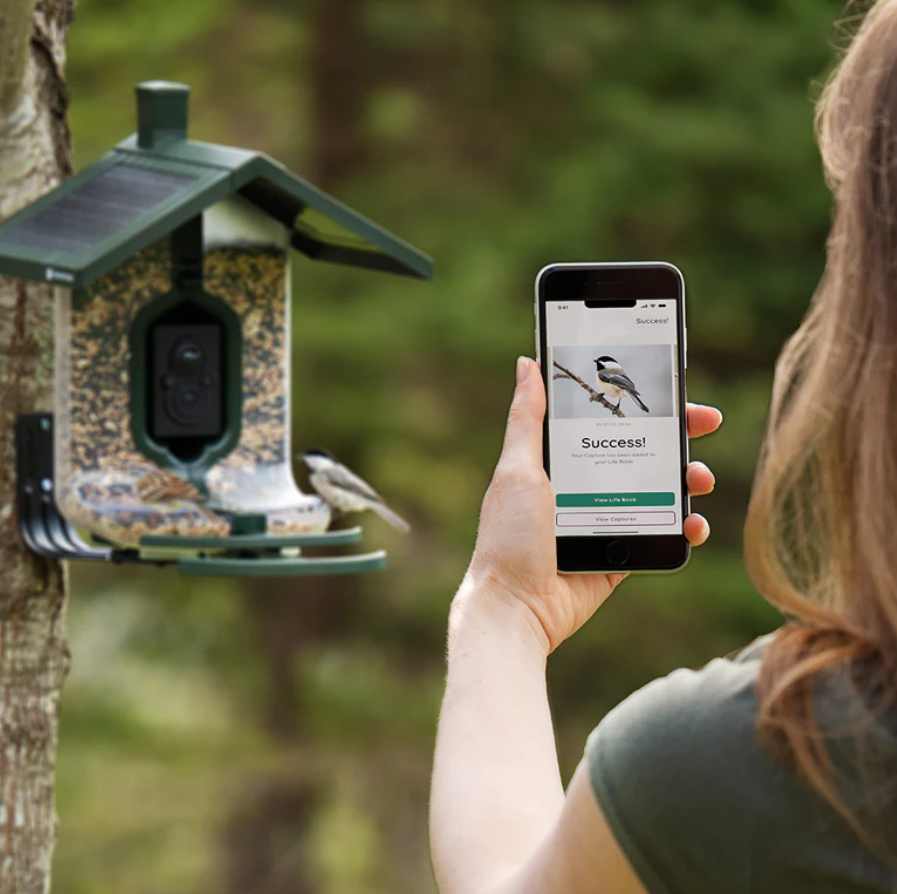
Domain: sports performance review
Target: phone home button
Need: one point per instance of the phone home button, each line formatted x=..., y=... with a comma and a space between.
x=617, y=552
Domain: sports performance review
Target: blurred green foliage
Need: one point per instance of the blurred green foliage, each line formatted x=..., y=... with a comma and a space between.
x=218, y=738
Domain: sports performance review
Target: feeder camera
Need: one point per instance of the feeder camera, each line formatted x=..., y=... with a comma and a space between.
x=171, y=261
x=186, y=376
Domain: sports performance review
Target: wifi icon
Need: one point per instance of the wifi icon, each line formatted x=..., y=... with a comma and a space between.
x=653, y=305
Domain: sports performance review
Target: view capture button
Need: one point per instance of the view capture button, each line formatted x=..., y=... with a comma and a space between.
x=617, y=519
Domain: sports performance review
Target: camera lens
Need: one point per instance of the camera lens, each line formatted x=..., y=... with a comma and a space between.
x=186, y=404
x=188, y=395
x=187, y=358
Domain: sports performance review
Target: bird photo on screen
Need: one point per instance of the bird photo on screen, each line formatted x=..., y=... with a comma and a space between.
x=344, y=490
x=614, y=382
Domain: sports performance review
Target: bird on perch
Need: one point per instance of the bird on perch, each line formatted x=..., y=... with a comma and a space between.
x=344, y=490
x=614, y=382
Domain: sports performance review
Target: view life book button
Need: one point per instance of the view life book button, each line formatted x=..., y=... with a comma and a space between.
x=617, y=500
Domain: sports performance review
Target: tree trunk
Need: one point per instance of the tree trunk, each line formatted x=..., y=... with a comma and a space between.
x=343, y=81
x=35, y=154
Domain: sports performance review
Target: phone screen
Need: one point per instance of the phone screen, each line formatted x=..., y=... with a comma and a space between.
x=615, y=447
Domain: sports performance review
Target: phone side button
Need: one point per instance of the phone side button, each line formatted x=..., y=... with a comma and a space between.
x=617, y=552
x=686, y=347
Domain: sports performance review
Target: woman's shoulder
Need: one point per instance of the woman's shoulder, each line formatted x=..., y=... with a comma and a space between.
x=669, y=762
x=695, y=711
x=694, y=796
x=691, y=724
x=722, y=693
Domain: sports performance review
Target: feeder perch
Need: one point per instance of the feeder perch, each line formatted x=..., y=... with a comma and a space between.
x=170, y=260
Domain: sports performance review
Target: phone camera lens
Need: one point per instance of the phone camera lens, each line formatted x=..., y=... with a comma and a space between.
x=187, y=359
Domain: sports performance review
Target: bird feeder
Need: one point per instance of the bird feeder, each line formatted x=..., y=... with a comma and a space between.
x=170, y=261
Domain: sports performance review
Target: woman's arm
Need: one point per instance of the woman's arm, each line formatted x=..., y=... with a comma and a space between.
x=497, y=787
x=499, y=820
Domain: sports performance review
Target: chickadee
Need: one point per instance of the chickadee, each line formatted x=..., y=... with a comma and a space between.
x=613, y=382
x=344, y=490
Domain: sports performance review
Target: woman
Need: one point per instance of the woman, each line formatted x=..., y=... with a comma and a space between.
x=775, y=771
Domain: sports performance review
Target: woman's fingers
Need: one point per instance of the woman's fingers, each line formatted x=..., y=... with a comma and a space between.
x=702, y=420
x=696, y=529
x=523, y=436
x=699, y=479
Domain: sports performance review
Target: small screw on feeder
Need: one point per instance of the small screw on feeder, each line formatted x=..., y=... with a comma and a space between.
x=171, y=260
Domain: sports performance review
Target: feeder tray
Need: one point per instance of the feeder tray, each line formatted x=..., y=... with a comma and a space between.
x=46, y=532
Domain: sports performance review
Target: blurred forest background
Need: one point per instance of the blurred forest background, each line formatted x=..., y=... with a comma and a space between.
x=274, y=738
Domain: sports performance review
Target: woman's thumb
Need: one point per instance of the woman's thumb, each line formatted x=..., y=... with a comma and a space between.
x=523, y=438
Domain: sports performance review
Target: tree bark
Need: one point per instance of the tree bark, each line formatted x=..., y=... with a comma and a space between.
x=35, y=154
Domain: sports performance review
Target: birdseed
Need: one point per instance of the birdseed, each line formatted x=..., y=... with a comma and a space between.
x=105, y=485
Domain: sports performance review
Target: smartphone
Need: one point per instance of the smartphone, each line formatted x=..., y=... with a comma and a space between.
x=611, y=340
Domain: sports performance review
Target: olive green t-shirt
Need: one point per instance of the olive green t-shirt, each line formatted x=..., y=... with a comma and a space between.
x=699, y=806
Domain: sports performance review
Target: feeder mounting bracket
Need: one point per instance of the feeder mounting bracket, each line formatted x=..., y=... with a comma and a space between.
x=41, y=524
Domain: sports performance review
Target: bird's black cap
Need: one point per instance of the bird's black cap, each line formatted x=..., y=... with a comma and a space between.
x=318, y=451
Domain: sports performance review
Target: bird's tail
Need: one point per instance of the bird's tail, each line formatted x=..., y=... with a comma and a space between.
x=634, y=395
x=388, y=515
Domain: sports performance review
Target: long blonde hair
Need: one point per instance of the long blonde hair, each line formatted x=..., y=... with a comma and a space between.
x=821, y=532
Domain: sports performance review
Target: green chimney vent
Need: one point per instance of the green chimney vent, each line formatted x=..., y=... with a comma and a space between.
x=161, y=112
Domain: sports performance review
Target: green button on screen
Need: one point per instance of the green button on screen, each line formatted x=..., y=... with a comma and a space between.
x=643, y=499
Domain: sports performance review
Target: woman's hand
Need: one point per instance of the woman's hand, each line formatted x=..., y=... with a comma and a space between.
x=515, y=561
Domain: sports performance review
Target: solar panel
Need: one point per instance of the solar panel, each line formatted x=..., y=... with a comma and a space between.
x=97, y=209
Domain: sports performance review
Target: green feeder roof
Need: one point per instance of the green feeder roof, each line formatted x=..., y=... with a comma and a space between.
x=157, y=180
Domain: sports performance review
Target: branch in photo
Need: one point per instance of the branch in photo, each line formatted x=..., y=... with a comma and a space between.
x=594, y=396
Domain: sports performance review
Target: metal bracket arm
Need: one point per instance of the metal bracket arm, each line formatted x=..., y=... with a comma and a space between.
x=41, y=525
